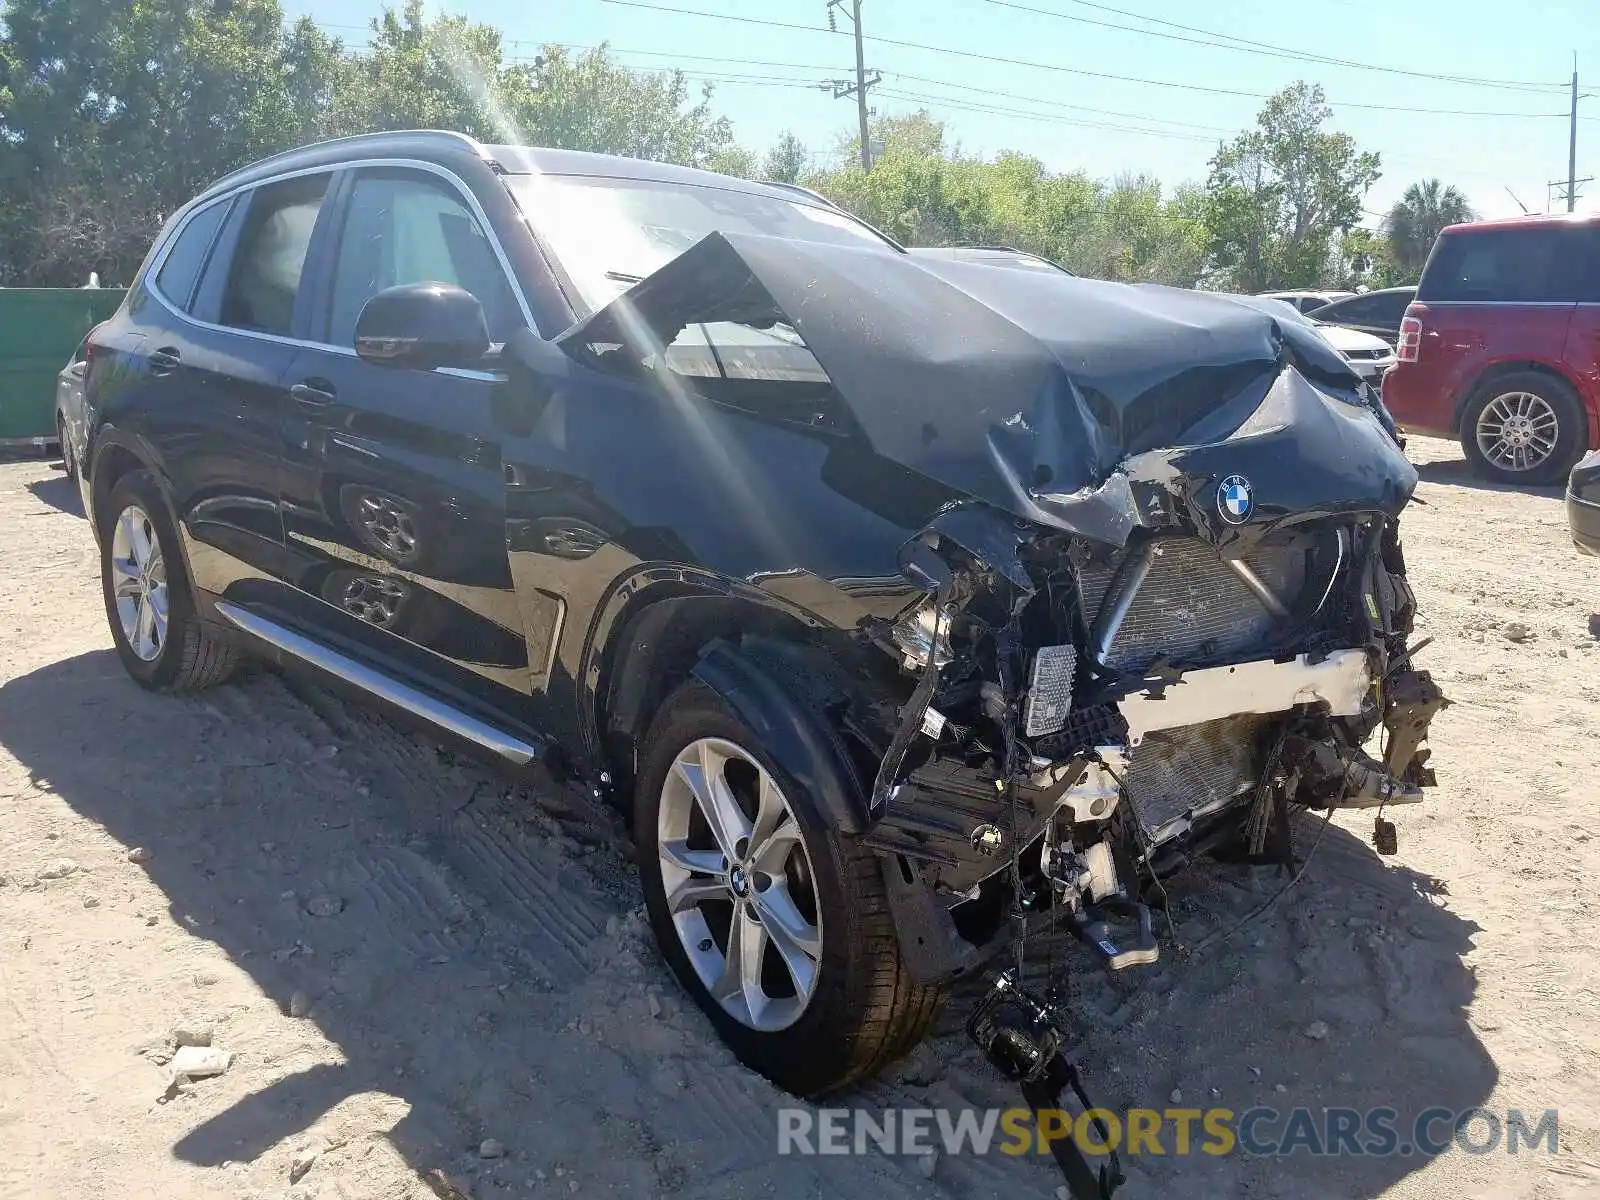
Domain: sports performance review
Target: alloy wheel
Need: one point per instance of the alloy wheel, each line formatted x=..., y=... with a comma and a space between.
x=139, y=583
x=374, y=598
x=1518, y=431
x=389, y=525
x=739, y=885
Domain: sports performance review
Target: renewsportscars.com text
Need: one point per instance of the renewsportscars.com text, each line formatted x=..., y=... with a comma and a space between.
x=1260, y=1132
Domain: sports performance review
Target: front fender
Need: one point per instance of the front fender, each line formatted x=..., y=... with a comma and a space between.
x=807, y=751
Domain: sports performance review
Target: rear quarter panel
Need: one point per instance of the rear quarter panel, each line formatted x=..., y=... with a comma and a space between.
x=1461, y=341
x=1583, y=361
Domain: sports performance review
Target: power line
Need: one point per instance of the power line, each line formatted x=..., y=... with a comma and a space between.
x=758, y=62
x=1104, y=112
x=1051, y=118
x=1014, y=62
x=891, y=74
x=713, y=58
x=1247, y=46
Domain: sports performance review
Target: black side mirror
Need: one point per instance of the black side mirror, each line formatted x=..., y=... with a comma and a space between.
x=422, y=326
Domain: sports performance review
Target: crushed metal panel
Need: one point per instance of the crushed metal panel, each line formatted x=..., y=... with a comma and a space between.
x=1028, y=390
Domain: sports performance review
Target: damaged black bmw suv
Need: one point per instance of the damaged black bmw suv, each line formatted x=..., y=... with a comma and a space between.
x=905, y=601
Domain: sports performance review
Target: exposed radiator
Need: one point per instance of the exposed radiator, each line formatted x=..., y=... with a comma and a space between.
x=1192, y=606
x=1195, y=769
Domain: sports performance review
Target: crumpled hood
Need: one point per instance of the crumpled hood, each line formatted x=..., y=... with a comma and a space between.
x=1023, y=389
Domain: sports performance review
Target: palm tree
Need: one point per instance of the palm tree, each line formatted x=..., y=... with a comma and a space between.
x=1416, y=219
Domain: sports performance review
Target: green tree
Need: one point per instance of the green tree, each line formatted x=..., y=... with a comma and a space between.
x=590, y=102
x=1279, y=194
x=734, y=160
x=116, y=113
x=112, y=114
x=786, y=160
x=925, y=192
x=1415, y=221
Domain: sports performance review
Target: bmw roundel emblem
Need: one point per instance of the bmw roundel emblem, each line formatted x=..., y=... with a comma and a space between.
x=1234, y=500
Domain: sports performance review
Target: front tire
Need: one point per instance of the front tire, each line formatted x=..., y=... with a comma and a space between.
x=159, y=638
x=1524, y=428
x=775, y=923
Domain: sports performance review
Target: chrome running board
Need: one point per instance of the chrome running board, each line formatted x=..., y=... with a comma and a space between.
x=383, y=686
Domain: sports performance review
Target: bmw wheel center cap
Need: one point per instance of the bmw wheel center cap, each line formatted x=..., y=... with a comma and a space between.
x=1235, y=501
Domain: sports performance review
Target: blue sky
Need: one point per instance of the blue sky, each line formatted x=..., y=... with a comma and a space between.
x=1166, y=131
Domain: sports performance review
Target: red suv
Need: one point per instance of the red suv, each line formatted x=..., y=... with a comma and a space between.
x=1501, y=347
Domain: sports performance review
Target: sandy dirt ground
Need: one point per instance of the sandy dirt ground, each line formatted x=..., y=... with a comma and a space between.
x=406, y=954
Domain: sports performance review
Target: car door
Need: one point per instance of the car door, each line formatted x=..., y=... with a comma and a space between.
x=393, y=491
x=1582, y=356
x=219, y=320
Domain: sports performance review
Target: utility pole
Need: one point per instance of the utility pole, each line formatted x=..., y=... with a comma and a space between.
x=858, y=89
x=1572, y=136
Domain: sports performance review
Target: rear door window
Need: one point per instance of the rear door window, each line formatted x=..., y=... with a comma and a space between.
x=1538, y=265
x=184, y=261
x=264, y=276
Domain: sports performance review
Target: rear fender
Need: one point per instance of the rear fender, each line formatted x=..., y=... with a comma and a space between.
x=1494, y=371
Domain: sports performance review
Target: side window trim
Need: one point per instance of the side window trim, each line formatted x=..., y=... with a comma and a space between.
x=207, y=306
x=322, y=255
x=444, y=173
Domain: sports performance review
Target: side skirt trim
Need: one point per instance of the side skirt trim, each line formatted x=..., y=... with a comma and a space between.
x=383, y=686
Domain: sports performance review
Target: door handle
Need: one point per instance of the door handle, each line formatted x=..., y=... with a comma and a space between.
x=314, y=393
x=164, y=360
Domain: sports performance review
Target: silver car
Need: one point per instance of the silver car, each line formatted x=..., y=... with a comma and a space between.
x=69, y=410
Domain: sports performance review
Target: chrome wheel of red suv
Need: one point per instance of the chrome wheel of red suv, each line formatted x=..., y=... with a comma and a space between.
x=1524, y=428
x=1517, y=431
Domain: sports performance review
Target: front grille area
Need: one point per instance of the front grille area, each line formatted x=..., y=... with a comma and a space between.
x=1193, y=607
x=1176, y=772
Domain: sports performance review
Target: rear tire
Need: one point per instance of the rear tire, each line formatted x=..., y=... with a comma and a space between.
x=862, y=1010
x=1524, y=428
x=69, y=462
x=161, y=641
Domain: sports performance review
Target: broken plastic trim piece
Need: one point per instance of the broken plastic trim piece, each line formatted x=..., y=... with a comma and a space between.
x=1342, y=680
x=912, y=718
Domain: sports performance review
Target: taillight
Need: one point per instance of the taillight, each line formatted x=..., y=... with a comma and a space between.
x=89, y=346
x=1410, y=339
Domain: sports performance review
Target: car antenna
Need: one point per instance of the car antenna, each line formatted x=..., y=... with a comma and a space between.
x=1520, y=204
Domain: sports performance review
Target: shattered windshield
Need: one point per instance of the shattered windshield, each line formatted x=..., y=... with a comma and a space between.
x=610, y=233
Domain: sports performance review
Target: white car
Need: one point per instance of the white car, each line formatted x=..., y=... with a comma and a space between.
x=1306, y=302
x=1367, y=355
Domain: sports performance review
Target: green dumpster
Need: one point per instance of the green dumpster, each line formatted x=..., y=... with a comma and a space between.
x=39, y=329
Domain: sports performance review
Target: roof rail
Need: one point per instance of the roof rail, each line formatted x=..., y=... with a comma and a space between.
x=798, y=187
x=355, y=139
